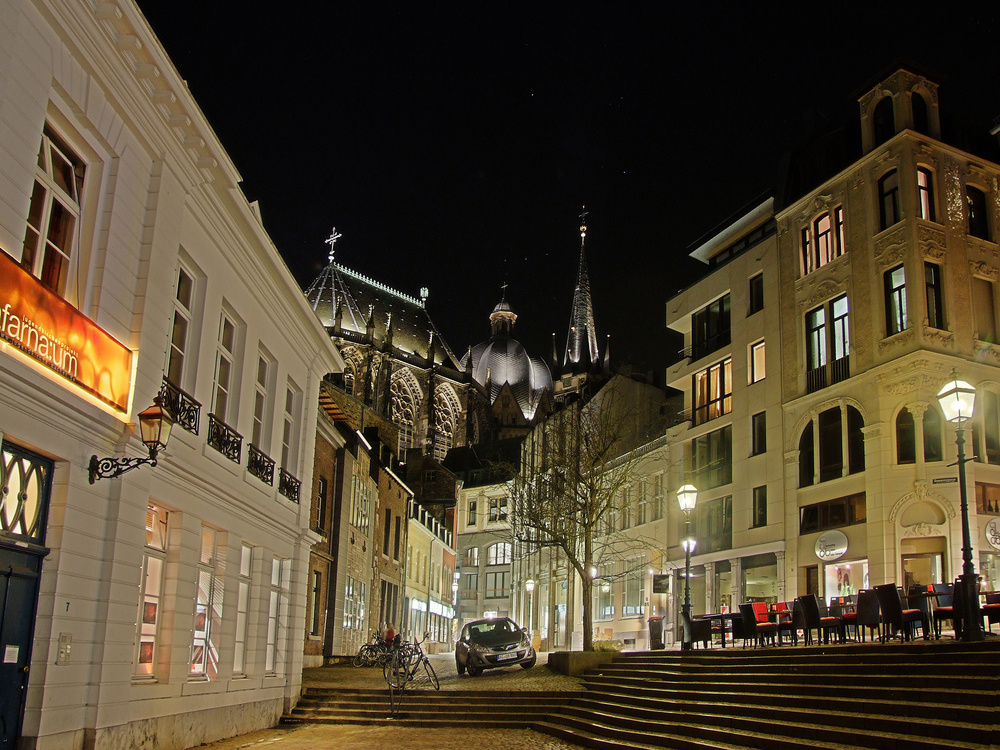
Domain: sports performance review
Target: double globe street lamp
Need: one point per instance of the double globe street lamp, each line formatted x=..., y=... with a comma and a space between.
x=687, y=496
x=957, y=399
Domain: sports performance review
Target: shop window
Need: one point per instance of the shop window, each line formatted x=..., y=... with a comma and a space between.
x=756, y=294
x=979, y=225
x=242, y=610
x=832, y=514
x=759, y=511
x=277, y=615
x=633, y=601
x=208, y=608
x=925, y=194
x=52, y=228
x=757, y=362
x=895, y=301
x=603, y=594
x=151, y=591
x=710, y=328
x=888, y=197
x=713, y=391
x=935, y=295
x=988, y=499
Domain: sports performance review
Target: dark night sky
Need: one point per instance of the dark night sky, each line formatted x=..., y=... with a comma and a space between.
x=453, y=146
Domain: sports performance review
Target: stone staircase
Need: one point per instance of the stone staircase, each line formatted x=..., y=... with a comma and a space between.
x=892, y=697
x=423, y=707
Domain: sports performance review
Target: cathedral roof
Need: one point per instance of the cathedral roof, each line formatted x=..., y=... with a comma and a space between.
x=504, y=361
x=363, y=301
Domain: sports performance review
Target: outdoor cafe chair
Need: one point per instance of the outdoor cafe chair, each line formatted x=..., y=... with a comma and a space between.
x=697, y=630
x=991, y=610
x=845, y=607
x=814, y=620
x=754, y=630
x=869, y=615
x=786, y=621
x=894, y=617
x=944, y=610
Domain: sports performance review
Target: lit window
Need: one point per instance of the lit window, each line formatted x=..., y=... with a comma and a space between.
x=151, y=590
x=53, y=214
x=895, y=301
x=242, y=609
x=822, y=241
x=277, y=615
x=713, y=391
x=208, y=608
x=498, y=554
x=757, y=366
x=925, y=194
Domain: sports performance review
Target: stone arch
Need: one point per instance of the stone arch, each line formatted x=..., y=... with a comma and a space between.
x=354, y=364
x=446, y=411
x=406, y=396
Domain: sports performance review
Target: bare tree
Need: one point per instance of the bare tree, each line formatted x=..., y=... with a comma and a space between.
x=575, y=468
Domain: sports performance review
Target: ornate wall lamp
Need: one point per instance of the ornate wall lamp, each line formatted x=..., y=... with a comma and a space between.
x=154, y=426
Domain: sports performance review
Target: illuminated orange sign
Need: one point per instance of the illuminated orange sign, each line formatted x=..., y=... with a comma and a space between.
x=52, y=331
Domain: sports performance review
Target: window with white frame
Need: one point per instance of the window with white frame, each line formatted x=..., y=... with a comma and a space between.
x=208, y=608
x=642, y=504
x=262, y=407
x=289, y=433
x=626, y=508
x=361, y=502
x=498, y=509
x=757, y=364
x=497, y=586
x=226, y=377
x=277, y=617
x=472, y=512
x=498, y=554
x=243, y=609
x=657, y=513
x=151, y=591
x=633, y=604
x=822, y=240
x=180, y=330
x=603, y=593
x=52, y=230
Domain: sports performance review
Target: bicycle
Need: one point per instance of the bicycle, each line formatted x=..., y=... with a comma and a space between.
x=403, y=668
x=375, y=652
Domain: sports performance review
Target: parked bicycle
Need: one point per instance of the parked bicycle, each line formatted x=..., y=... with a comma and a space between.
x=375, y=652
x=403, y=669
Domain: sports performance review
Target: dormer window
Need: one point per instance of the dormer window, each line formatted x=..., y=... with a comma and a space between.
x=823, y=240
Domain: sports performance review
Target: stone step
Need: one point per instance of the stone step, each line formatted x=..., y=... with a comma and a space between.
x=818, y=666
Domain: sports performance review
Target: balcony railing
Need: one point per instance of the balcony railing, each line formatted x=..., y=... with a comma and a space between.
x=815, y=379
x=470, y=562
x=824, y=375
x=840, y=369
x=224, y=439
x=289, y=486
x=468, y=594
x=260, y=465
x=184, y=409
x=497, y=593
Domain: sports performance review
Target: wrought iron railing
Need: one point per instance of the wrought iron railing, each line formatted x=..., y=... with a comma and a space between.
x=260, y=465
x=289, y=486
x=224, y=439
x=184, y=409
x=840, y=369
x=815, y=379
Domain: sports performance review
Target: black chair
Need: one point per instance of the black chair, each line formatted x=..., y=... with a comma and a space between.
x=697, y=630
x=821, y=623
x=739, y=632
x=945, y=609
x=846, y=608
x=787, y=623
x=869, y=615
x=756, y=630
x=895, y=619
x=917, y=599
x=991, y=609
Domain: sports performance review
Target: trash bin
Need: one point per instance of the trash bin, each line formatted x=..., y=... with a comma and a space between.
x=656, y=633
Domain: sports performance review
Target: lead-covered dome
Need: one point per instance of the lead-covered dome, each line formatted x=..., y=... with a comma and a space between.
x=504, y=361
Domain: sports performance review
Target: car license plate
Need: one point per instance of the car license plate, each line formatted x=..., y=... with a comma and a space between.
x=505, y=657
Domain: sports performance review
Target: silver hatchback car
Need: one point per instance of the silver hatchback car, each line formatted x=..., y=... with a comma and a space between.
x=496, y=642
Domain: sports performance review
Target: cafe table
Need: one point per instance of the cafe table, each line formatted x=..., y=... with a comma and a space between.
x=722, y=618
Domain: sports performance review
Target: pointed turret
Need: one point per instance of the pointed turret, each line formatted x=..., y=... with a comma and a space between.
x=581, y=341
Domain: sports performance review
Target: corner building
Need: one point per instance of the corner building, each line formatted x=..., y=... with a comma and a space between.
x=884, y=282
x=163, y=607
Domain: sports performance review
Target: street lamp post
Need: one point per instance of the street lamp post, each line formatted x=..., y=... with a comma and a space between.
x=687, y=496
x=957, y=399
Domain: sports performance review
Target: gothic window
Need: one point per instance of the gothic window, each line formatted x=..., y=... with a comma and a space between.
x=404, y=393
x=445, y=410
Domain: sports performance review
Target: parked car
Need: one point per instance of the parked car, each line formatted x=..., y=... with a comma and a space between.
x=495, y=642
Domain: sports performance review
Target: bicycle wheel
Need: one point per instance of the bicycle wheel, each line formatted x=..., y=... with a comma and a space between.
x=396, y=672
x=432, y=677
x=395, y=700
x=364, y=657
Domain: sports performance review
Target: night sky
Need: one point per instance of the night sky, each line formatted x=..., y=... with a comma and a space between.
x=453, y=146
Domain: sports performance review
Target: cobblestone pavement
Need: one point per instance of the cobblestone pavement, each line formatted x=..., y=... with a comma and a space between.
x=354, y=737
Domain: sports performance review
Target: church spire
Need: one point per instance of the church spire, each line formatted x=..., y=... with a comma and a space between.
x=581, y=341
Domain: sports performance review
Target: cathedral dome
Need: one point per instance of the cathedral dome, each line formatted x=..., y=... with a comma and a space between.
x=504, y=361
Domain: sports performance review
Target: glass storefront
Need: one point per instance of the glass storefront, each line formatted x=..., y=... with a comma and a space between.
x=760, y=578
x=845, y=578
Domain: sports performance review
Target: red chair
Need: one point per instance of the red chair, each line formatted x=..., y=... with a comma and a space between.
x=760, y=612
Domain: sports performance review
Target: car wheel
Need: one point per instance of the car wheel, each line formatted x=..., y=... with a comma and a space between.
x=460, y=668
x=474, y=671
x=529, y=664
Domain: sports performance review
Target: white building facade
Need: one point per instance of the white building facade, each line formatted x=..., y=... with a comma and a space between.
x=161, y=608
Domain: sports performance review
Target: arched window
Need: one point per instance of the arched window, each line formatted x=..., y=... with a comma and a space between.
x=883, y=121
x=498, y=554
x=906, y=451
x=405, y=400
x=920, y=119
x=933, y=447
x=925, y=194
x=830, y=427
